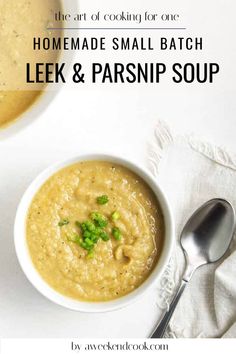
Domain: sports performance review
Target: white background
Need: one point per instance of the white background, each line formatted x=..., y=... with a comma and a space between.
x=122, y=121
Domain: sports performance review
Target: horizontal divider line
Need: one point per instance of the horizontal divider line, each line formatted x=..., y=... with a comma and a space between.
x=116, y=28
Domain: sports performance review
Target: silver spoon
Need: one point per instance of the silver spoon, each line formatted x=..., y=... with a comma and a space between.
x=204, y=239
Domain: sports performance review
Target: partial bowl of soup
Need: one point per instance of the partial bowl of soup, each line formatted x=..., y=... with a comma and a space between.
x=21, y=24
x=93, y=233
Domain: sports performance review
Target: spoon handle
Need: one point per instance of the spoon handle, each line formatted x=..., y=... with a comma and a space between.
x=161, y=327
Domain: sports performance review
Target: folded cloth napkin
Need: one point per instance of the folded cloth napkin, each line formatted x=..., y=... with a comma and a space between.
x=192, y=172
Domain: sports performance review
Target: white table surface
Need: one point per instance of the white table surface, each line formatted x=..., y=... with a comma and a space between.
x=121, y=121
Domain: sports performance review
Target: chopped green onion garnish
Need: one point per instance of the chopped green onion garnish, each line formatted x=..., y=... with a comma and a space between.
x=99, y=219
x=94, y=237
x=88, y=242
x=103, y=199
x=93, y=230
x=90, y=255
x=116, y=233
x=89, y=225
x=86, y=234
x=104, y=236
x=63, y=222
x=115, y=215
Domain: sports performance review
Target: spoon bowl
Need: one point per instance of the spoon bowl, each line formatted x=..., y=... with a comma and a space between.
x=208, y=233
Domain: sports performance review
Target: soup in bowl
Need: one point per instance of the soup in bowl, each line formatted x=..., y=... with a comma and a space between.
x=94, y=232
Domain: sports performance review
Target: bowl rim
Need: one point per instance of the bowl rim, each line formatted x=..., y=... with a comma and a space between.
x=33, y=275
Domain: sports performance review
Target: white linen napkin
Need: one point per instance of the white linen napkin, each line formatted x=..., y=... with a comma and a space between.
x=192, y=172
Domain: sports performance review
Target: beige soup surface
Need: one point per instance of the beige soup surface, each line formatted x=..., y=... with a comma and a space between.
x=95, y=231
x=20, y=21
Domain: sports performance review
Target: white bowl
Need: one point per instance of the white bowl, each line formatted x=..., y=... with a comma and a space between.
x=33, y=112
x=35, y=278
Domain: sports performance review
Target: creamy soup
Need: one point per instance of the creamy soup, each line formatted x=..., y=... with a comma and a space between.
x=84, y=200
x=20, y=21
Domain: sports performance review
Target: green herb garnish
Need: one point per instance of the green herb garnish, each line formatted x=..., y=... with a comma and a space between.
x=63, y=222
x=103, y=199
x=104, y=236
x=90, y=255
x=93, y=230
x=99, y=219
x=116, y=233
x=88, y=226
x=115, y=215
